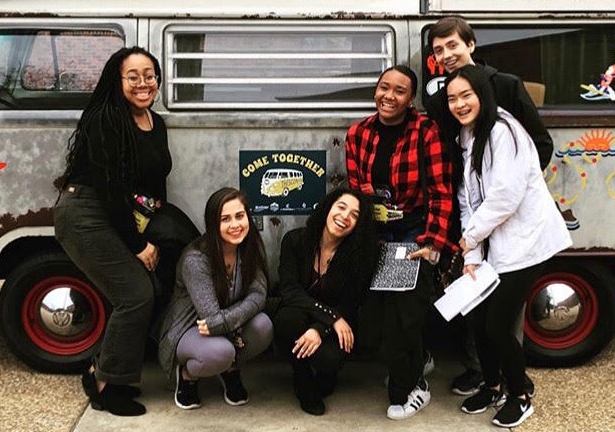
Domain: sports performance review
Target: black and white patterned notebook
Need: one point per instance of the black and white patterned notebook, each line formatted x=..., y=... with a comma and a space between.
x=395, y=272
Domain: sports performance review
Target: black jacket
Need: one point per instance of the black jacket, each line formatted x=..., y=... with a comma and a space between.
x=347, y=280
x=511, y=95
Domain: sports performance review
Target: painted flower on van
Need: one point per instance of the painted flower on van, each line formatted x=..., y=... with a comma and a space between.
x=2, y=165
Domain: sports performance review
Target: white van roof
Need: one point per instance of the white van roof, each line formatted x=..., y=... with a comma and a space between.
x=202, y=8
x=277, y=170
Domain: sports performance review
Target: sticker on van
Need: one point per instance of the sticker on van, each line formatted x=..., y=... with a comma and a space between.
x=282, y=182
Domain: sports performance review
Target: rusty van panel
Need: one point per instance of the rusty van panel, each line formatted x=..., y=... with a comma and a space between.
x=33, y=157
x=42, y=217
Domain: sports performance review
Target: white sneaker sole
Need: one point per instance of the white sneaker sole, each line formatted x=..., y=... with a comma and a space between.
x=179, y=405
x=226, y=399
x=524, y=416
x=407, y=413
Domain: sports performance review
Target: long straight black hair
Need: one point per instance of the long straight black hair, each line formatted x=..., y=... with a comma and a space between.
x=108, y=107
x=251, y=250
x=488, y=113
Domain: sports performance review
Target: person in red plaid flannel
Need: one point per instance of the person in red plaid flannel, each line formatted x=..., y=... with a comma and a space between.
x=382, y=160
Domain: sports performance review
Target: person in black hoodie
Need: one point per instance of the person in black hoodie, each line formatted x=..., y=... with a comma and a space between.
x=325, y=270
x=453, y=42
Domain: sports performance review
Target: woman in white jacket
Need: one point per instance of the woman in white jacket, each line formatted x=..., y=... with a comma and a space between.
x=509, y=219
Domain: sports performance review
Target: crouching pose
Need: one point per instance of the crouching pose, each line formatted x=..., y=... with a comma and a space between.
x=215, y=322
x=324, y=270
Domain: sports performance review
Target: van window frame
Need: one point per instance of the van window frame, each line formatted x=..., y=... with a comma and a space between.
x=552, y=115
x=55, y=99
x=388, y=59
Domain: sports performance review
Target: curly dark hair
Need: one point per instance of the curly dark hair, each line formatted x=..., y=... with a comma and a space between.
x=108, y=106
x=361, y=245
x=251, y=250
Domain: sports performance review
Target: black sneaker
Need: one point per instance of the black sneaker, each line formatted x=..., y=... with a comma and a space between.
x=234, y=391
x=513, y=413
x=186, y=391
x=485, y=398
x=528, y=386
x=468, y=383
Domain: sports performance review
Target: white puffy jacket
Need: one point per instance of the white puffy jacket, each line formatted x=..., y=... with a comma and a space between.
x=510, y=203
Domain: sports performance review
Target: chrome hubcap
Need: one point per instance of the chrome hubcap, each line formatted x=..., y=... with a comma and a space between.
x=557, y=307
x=65, y=312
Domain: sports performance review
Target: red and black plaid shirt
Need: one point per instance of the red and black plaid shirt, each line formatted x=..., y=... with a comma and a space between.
x=361, y=144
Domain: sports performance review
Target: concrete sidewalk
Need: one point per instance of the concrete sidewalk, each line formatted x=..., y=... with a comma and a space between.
x=359, y=404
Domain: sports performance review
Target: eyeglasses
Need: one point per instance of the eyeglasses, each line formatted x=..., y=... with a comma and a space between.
x=135, y=80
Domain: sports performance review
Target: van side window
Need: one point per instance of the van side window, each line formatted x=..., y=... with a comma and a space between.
x=562, y=67
x=282, y=66
x=52, y=69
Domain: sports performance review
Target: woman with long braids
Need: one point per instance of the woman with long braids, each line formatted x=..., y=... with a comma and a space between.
x=325, y=270
x=509, y=218
x=215, y=321
x=118, y=151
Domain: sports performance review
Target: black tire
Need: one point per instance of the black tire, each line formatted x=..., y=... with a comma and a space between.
x=590, y=313
x=62, y=337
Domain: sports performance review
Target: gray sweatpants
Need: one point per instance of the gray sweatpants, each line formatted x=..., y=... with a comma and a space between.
x=205, y=356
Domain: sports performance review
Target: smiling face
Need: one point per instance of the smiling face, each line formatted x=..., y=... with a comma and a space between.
x=342, y=217
x=142, y=95
x=463, y=101
x=234, y=224
x=452, y=52
x=393, y=96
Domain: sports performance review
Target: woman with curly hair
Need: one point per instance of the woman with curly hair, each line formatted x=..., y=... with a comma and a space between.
x=325, y=269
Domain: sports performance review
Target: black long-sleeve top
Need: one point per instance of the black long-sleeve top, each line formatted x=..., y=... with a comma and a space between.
x=341, y=288
x=97, y=155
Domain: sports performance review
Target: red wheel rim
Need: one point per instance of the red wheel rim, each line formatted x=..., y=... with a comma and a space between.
x=47, y=340
x=583, y=326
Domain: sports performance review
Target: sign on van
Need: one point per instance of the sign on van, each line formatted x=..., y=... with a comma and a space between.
x=282, y=182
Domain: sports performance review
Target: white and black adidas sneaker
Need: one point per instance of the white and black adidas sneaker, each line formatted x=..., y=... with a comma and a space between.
x=514, y=412
x=417, y=400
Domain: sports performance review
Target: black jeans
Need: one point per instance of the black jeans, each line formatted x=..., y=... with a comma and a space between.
x=289, y=324
x=83, y=229
x=494, y=323
x=403, y=322
x=404, y=319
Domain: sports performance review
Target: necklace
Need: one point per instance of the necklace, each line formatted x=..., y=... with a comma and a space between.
x=144, y=127
x=230, y=267
x=327, y=261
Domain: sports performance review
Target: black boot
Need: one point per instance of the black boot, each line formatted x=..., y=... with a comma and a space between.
x=306, y=389
x=88, y=381
x=326, y=382
x=116, y=402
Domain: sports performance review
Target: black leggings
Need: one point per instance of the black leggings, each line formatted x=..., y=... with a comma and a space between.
x=494, y=329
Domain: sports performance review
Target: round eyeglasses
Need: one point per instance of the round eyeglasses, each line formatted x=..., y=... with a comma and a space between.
x=135, y=80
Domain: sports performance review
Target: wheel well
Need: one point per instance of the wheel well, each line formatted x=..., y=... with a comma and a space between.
x=20, y=249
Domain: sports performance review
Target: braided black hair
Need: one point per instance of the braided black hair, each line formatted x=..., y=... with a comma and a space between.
x=108, y=106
